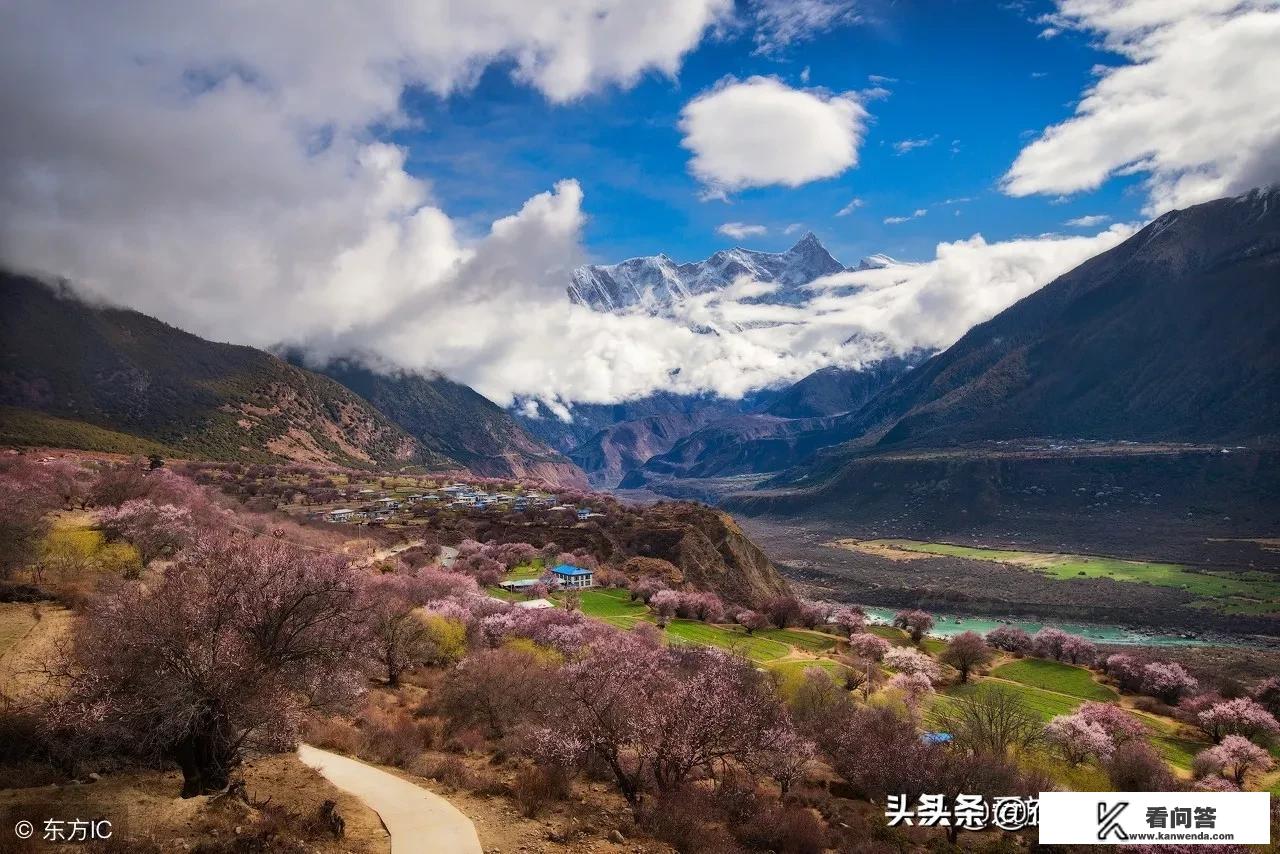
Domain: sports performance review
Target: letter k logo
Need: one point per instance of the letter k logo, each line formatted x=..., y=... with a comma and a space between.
x=1109, y=820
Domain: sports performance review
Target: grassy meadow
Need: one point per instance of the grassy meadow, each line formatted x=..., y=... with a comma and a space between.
x=1218, y=590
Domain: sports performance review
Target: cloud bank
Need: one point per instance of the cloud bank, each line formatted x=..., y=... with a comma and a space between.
x=219, y=166
x=1196, y=107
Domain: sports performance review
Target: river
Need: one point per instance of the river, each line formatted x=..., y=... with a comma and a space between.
x=948, y=625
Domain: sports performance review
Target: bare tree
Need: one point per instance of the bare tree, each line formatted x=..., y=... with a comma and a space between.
x=992, y=720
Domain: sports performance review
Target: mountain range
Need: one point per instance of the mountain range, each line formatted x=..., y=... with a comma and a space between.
x=1145, y=383
x=656, y=282
x=1165, y=344
x=609, y=441
x=110, y=379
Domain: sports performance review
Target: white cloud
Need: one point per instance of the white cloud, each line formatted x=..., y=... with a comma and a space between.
x=218, y=166
x=793, y=227
x=853, y=205
x=1088, y=221
x=780, y=23
x=1196, y=108
x=759, y=132
x=897, y=220
x=906, y=146
x=739, y=230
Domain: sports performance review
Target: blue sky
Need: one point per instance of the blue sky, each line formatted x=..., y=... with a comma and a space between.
x=975, y=78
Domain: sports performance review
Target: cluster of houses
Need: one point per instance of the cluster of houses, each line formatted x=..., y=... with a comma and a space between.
x=377, y=507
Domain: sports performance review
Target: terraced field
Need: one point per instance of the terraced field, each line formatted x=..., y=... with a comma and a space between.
x=1218, y=590
x=1055, y=676
x=614, y=607
x=1045, y=704
x=809, y=641
x=754, y=647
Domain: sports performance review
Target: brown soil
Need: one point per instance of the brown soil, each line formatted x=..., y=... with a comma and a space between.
x=143, y=806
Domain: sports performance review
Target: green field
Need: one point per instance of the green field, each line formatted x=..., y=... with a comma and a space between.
x=792, y=669
x=898, y=637
x=733, y=638
x=1055, y=676
x=1045, y=704
x=809, y=641
x=525, y=571
x=614, y=607
x=1224, y=591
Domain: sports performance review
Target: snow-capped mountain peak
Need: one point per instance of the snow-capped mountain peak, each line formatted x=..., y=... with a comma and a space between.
x=656, y=282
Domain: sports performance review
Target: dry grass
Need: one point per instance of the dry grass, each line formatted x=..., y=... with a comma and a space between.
x=34, y=643
x=284, y=815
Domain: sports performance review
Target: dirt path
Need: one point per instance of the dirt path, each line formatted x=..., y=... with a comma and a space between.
x=419, y=821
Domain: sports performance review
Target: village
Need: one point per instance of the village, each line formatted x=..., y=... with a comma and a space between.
x=381, y=505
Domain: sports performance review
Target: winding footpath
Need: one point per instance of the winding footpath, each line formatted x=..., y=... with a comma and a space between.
x=419, y=821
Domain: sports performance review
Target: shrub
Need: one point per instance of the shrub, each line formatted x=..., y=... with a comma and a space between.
x=681, y=819
x=1136, y=767
x=450, y=771
x=392, y=737
x=789, y=829
x=537, y=787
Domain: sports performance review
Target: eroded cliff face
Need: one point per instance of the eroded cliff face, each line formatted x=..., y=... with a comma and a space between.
x=709, y=549
x=687, y=546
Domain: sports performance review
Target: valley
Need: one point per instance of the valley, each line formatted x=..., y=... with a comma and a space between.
x=1140, y=600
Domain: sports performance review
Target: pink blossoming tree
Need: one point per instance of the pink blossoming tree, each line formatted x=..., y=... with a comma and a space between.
x=224, y=653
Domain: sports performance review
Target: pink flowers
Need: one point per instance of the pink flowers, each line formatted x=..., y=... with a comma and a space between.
x=850, y=620
x=1167, y=681
x=1094, y=730
x=151, y=528
x=916, y=623
x=1078, y=739
x=910, y=661
x=1010, y=639
x=1234, y=758
x=872, y=647
x=913, y=686
x=221, y=653
x=1239, y=717
x=1118, y=724
x=691, y=606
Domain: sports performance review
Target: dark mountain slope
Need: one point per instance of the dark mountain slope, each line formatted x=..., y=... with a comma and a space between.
x=1174, y=336
x=124, y=372
x=455, y=421
x=1107, y=408
x=832, y=391
x=798, y=422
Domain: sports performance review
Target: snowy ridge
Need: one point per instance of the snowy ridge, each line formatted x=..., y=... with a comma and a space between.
x=656, y=282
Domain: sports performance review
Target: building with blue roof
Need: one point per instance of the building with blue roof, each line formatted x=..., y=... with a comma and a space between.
x=572, y=577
